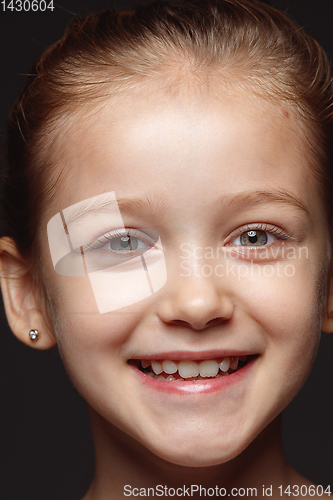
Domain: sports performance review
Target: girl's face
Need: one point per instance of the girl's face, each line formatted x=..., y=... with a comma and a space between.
x=225, y=183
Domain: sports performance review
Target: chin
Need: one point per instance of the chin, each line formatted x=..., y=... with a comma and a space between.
x=196, y=453
x=196, y=459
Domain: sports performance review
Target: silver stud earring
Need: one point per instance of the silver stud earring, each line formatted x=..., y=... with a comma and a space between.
x=33, y=335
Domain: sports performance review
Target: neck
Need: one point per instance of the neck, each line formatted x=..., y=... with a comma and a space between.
x=121, y=461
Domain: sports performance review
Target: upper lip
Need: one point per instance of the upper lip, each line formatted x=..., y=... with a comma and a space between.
x=197, y=355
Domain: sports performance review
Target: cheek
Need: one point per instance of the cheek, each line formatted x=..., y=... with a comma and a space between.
x=85, y=337
x=287, y=307
x=288, y=292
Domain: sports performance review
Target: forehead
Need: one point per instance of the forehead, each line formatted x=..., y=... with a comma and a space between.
x=208, y=142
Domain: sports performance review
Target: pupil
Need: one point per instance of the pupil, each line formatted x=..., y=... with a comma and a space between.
x=253, y=238
x=128, y=243
x=124, y=240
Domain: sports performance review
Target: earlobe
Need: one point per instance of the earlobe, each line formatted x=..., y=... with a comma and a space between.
x=20, y=297
x=327, y=321
x=327, y=316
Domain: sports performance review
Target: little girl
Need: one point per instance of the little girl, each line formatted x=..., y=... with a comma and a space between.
x=168, y=211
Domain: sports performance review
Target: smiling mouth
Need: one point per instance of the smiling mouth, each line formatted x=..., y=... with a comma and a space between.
x=172, y=371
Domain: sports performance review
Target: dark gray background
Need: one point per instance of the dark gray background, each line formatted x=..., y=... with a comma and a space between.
x=46, y=449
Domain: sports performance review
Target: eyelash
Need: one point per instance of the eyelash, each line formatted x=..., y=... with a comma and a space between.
x=276, y=231
x=106, y=238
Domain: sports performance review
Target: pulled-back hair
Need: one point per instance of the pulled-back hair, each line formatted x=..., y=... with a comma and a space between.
x=245, y=44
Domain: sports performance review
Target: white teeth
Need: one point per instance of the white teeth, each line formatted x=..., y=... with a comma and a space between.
x=234, y=363
x=191, y=369
x=188, y=369
x=169, y=367
x=209, y=368
x=224, y=366
x=157, y=367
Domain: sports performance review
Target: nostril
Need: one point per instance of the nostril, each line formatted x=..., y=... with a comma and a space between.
x=202, y=326
x=214, y=322
x=179, y=322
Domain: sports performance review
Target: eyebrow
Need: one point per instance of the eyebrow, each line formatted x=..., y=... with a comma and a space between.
x=146, y=206
x=135, y=206
x=260, y=197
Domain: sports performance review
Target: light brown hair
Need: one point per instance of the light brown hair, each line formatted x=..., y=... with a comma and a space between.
x=246, y=44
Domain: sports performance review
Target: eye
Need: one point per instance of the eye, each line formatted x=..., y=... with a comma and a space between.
x=127, y=243
x=124, y=242
x=254, y=238
x=259, y=236
x=120, y=250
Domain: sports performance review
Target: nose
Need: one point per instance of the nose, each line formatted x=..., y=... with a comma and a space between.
x=198, y=303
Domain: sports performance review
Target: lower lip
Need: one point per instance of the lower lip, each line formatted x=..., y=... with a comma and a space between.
x=204, y=386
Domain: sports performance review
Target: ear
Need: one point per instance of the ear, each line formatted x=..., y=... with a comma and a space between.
x=327, y=316
x=21, y=298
